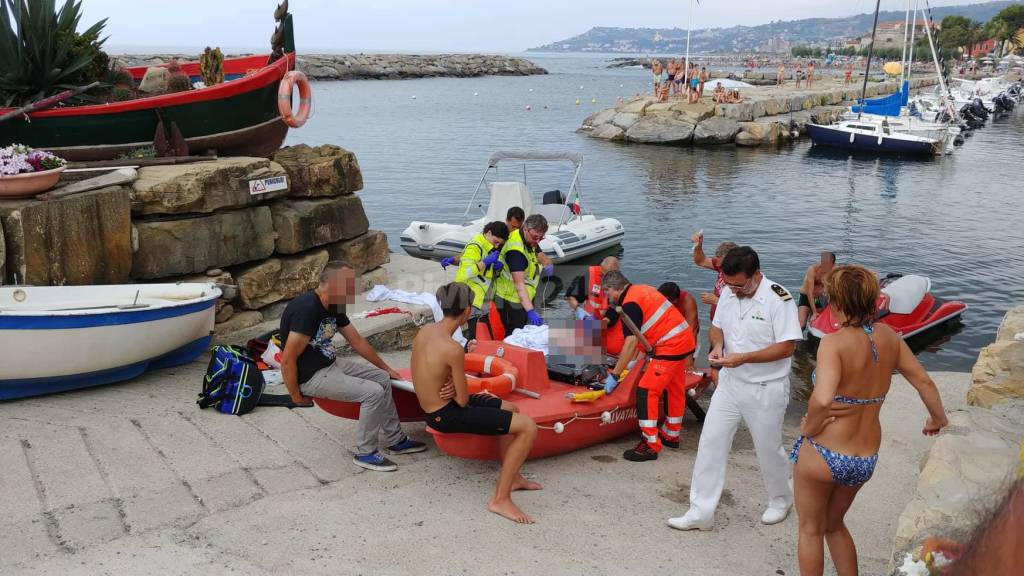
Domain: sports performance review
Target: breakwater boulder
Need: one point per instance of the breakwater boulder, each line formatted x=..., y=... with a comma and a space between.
x=379, y=66
x=998, y=375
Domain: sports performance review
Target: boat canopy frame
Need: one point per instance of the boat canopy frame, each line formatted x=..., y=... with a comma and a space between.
x=574, y=158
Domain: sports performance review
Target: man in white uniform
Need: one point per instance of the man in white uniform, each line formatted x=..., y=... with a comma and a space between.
x=753, y=336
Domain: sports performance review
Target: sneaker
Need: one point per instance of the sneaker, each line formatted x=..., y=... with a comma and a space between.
x=642, y=453
x=407, y=446
x=669, y=443
x=774, y=515
x=375, y=461
x=690, y=522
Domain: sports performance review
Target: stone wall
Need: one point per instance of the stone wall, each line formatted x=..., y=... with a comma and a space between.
x=976, y=458
x=200, y=221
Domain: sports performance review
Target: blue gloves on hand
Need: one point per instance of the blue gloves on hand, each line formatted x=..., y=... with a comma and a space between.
x=549, y=270
x=446, y=262
x=581, y=313
x=534, y=319
x=610, y=383
x=492, y=261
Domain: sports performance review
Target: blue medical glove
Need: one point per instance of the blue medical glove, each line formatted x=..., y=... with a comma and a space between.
x=549, y=270
x=581, y=313
x=610, y=383
x=533, y=318
x=491, y=258
x=446, y=262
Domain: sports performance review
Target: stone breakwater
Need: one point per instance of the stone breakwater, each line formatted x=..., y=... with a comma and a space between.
x=202, y=222
x=766, y=115
x=975, y=459
x=382, y=66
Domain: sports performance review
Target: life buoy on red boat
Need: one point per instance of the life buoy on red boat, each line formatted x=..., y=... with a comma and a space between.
x=284, y=98
x=499, y=375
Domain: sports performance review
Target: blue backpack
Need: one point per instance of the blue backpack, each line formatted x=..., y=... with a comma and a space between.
x=233, y=383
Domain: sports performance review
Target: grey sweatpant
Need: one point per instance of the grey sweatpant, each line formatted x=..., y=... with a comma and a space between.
x=370, y=386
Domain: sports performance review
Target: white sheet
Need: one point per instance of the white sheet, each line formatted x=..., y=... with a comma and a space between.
x=532, y=337
x=381, y=292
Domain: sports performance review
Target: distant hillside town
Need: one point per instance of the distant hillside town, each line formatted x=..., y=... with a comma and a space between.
x=850, y=34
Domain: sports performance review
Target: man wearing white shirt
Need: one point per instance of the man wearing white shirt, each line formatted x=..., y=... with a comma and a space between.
x=753, y=336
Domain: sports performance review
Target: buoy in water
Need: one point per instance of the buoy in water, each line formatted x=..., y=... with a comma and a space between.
x=413, y=96
x=531, y=90
x=622, y=85
x=593, y=100
x=545, y=106
x=577, y=101
x=476, y=93
x=581, y=86
x=528, y=108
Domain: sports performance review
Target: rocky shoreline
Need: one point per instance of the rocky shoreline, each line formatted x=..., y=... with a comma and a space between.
x=767, y=115
x=380, y=66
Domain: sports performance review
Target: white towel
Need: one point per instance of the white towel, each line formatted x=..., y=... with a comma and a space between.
x=381, y=292
x=532, y=337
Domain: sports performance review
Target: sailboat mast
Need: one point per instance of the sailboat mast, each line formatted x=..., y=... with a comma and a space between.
x=867, y=67
x=903, y=57
x=689, y=26
x=913, y=38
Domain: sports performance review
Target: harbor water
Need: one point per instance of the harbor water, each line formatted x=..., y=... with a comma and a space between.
x=423, y=144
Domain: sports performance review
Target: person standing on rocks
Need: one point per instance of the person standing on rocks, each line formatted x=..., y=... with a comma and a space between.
x=310, y=366
x=753, y=337
x=848, y=75
x=837, y=450
x=799, y=74
x=780, y=78
x=810, y=73
x=671, y=68
x=703, y=79
x=656, y=73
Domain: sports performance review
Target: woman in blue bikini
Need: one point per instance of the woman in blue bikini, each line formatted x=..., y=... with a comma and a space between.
x=840, y=435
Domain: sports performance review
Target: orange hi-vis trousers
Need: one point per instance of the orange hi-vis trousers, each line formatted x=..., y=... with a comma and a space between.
x=660, y=376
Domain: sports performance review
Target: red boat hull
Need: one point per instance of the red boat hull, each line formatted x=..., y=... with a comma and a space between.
x=582, y=424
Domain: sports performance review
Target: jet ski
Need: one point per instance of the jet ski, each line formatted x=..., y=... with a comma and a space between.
x=572, y=232
x=906, y=305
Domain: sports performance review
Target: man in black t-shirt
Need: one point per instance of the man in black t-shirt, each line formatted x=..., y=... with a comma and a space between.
x=310, y=366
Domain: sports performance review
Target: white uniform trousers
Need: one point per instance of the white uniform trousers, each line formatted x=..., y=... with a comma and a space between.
x=762, y=406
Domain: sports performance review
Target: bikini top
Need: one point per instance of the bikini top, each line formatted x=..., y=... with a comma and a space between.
x=869, y=330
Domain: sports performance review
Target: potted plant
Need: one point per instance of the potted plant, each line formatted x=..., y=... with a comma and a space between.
x=26, y=172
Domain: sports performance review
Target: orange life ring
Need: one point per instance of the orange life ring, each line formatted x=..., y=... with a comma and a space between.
x=499, y=375
x=284, y=98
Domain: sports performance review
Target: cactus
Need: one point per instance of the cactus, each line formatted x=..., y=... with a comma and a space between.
x=179, y=83
x=211, y=66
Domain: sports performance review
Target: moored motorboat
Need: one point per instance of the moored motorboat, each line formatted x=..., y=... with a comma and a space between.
x=906, y=305
x=564, y=425
x=572, y=231
x=59, y=338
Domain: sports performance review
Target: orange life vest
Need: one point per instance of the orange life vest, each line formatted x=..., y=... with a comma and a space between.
x=596, y=303
x=664, y=326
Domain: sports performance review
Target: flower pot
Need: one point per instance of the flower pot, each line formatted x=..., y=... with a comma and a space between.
x=29, y=183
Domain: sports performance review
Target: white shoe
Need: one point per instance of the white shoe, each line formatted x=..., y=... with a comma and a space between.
x=775, y=515
x=689, y=522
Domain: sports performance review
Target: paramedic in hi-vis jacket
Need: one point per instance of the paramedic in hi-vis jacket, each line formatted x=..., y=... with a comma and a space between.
x=753, y=336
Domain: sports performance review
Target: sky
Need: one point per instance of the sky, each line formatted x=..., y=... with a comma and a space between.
x=429, y=25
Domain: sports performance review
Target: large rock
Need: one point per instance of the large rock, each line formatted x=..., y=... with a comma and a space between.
x=80, y=239
x=202, y=186
x=763, y=132
x=326, y=170
x=694, y=113
x=603, y=117
x=277, y=279
x=660, y=130
x=625, y=119
x=1012, y=324
x=971, y=463
x=154, y=81
x=304, y=224
x=193, y=245
x=364, y=252
x=609, y=132
x=716, y=130
x=636, y=106
x=998, y=375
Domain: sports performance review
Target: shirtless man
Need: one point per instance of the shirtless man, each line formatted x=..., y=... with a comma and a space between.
x=438, y=360
x=812, y=291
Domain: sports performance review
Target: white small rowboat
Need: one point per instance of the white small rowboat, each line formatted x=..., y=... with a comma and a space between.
x=58, y=338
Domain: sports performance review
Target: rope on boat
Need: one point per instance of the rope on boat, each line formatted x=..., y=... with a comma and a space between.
x=559, y=427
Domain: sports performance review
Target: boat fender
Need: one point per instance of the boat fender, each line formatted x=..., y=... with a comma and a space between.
x=559, y=427
x=284, y=99
x=499, y=375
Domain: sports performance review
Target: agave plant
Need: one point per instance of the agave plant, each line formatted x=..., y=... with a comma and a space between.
x=41, y=51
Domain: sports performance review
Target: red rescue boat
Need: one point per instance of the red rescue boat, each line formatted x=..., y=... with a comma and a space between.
x=906, y=305
x=565, y=425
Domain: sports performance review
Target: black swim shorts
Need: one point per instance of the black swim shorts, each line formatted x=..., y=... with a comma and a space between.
x=481, y=415
x=806, y=302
